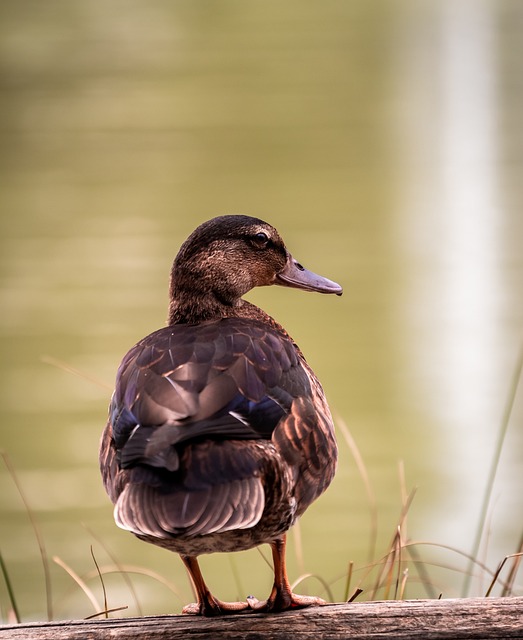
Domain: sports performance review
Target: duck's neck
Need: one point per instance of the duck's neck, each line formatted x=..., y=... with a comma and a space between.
x=198, y=293
x=198, y=308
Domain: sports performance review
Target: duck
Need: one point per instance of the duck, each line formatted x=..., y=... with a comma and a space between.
x=219, y=436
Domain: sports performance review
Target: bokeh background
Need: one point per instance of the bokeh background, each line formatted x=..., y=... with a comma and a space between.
x=384, y=139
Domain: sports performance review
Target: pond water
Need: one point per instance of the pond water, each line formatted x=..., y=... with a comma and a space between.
x=384, y=140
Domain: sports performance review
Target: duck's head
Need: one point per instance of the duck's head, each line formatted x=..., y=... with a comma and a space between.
x=226, y=257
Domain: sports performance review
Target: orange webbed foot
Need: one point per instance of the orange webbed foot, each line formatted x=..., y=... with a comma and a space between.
x=211, y=606
x=283, y=601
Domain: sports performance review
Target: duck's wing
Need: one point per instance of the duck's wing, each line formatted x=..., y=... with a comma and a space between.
x=225, y=380
x=228, y=381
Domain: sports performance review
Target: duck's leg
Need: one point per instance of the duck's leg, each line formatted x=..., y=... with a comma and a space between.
x=207, y=604
x=282, y=598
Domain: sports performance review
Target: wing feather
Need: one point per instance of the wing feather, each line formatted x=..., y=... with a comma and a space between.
x=186, y=400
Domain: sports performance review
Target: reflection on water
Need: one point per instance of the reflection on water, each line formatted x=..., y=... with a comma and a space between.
x=383, y=139
x=453, y=213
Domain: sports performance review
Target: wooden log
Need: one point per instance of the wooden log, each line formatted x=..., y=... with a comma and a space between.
x=470, y=619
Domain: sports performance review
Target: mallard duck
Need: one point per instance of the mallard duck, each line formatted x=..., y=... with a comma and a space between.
x=219, y=435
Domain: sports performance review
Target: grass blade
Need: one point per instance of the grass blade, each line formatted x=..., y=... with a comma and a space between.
x=142, y=571
x=348, y=581
x=90, y=595
x=37, y=532
x=106, y=606
x=362, y=470
x=10, y=590
x=517, y=557
x=323, y=583
x=507, y=589
x=59, y=364
x=356, y=593
x=494, y=467
x=104, y=613
x=124, y=574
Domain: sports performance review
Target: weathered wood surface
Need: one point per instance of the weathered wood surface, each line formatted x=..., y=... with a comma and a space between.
x=471, y=618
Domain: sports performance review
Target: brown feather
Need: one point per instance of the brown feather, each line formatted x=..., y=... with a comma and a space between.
x=219, y=435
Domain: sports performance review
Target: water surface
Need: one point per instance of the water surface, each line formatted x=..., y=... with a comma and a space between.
x=384, y=141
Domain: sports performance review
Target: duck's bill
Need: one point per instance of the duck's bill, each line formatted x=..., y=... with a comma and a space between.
x=295, y=275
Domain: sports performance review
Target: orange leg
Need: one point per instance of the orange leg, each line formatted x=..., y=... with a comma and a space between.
x=282, y=598
x=207, y=604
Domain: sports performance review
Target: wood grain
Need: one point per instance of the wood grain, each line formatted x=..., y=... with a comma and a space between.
x=470, y=619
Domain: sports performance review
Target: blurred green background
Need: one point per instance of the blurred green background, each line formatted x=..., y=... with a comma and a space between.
x=383, y=138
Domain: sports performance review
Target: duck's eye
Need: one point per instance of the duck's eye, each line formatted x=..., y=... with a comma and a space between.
x=260, y=240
